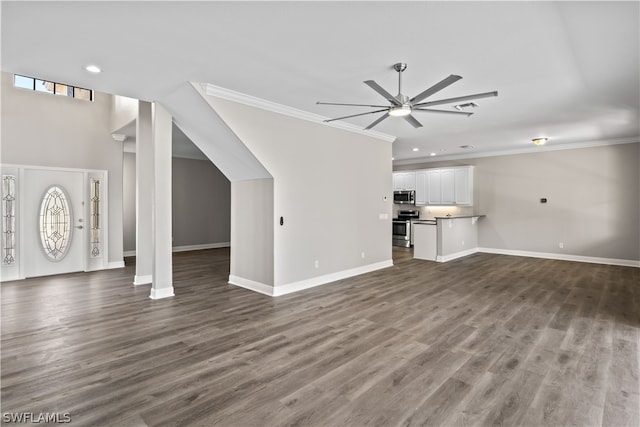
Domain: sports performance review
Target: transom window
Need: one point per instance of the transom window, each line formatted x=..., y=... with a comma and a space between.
x=38, y=85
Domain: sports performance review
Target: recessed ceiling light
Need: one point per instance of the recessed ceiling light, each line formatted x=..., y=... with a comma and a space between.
x=432, y=154
x=416, y=149
x=93, y=69
x=393, y=158
x=540, y=141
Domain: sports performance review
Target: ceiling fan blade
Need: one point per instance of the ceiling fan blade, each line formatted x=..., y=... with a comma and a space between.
x=435, y=88
x=413, y=121
x=464, y=113
x=356, y=115
x=375, y=86
x=457, y=99
x=384, y=116
x=351, y=105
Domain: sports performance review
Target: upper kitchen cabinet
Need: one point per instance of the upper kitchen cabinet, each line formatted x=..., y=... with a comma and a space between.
x=434, y=187
x=404, y=181
x=441, y=186
x=422, y=187
x=451, y=186
x=463, y=185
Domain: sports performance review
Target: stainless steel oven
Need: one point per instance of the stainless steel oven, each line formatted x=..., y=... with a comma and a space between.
x=402, y=227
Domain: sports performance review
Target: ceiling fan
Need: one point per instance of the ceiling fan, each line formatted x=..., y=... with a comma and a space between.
x=403, y=106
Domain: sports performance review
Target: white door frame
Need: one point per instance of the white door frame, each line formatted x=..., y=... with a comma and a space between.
x=89, y=263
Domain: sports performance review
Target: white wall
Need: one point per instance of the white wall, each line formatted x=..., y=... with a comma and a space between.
x=201, y=203
x=123, y=111
x=593, y=203
x=252, y=231
x=329, y=187
x=41, y=129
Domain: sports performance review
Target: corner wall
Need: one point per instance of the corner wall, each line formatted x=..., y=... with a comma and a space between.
x=252, y=230
x=329, y=186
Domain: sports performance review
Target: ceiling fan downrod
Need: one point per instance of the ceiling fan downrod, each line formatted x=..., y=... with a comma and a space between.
x=400, y=67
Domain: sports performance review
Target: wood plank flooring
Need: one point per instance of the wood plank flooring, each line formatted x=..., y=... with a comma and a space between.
x=484, y=340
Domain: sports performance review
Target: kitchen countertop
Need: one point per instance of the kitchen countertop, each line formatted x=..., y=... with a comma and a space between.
x=458, y=216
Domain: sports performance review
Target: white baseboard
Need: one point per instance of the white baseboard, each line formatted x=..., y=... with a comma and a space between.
x=201, y=247
x=445, y=258
x=142, y=280
x=252, y=285
x=190, y=248
x=115, y=264
x=307, y=283
x=328, y=278
x=161, y=293
x=563, y=257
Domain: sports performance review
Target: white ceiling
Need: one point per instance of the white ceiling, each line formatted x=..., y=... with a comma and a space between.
x=565, y=70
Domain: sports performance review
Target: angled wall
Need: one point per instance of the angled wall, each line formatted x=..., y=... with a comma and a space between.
x=331, y=187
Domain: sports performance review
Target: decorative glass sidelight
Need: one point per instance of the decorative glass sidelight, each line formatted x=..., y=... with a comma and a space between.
x=95, y=218
x=8, y=219
x=55, y=223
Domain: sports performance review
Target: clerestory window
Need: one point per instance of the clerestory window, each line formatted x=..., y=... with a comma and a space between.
x=38, y=85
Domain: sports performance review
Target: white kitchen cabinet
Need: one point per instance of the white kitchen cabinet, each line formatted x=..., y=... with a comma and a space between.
x=447, y=189
x=463, y=185
x=450, y=186
x=422, y=187
x=434, y=187
x=438, y=186
x=404, y=181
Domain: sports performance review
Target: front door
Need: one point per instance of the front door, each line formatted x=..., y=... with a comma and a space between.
x=53, y=222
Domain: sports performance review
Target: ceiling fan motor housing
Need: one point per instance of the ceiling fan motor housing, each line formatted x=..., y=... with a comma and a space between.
x=400, y=67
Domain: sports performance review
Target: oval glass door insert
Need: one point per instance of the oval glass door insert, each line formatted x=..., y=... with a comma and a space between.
x=55, y=223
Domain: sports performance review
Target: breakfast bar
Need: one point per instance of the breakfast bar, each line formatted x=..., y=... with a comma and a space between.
x=445, y=237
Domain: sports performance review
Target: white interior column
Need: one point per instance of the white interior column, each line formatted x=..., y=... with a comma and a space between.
x=144, y=191
x=162, y=284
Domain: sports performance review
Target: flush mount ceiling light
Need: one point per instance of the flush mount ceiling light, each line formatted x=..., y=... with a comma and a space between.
x=540, y=141
x=93, y=69
x=416, y=149
x=403, y=106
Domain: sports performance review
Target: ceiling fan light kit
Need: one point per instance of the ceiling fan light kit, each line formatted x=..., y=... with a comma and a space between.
x=402, y=110
x=403, y=106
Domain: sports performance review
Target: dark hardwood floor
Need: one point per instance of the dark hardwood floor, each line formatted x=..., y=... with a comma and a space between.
x=484, y=340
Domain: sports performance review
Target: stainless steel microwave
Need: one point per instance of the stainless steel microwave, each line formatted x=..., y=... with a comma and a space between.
x=404, y=197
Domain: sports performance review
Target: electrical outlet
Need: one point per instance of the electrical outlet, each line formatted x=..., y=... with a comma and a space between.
x=362, y=255
x=561, y=245
x=317, y=264
x=463, y=243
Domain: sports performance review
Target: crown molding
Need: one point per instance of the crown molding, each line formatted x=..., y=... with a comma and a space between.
x=515, y=151
x=230, y=95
